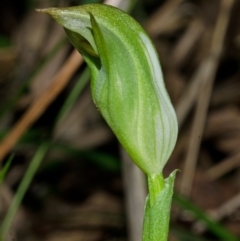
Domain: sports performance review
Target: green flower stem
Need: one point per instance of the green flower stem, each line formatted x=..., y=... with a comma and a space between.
x=155, y=186
x=158, y=207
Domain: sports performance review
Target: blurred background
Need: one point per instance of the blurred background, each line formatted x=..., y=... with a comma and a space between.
x=64, y=176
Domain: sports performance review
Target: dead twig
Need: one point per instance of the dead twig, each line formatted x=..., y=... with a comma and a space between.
x=188, y=41
x=204, y=97
x=225, y=166
x=40, y=104
x=219, y=213
x=158, y=21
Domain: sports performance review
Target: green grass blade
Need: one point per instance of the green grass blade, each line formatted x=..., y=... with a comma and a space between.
x=22, y=190
x=75, y=93
x=221, y=232
x=184, y=235
x=3, y=172
x=4, y=41
x=103, y=160
x=12, y=101
x=106, y=161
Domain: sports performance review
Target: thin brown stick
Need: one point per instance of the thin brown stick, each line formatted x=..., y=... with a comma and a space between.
x=191, y=92
x=40, y=104
x=157, y=22
x=225, y=166
x=186, y=44
x=227, y=208
x=204, y=97
x=223, y=211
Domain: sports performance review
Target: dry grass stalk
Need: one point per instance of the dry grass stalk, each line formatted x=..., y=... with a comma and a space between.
x=219, y=213
x=204, y=97
x=188, y=41
x=225, y=166
x=39, y=105
x=163, y=17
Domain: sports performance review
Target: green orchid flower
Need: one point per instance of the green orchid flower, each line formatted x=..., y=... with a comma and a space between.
x=128, y=89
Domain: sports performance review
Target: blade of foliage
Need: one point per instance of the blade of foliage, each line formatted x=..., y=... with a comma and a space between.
x=12, y=101
x=184, y=235
x=212, y=225
x=90, y=1
x=4, y=41
x=103, y=160
x=74, y=94
x=5, y=168
x=25, y=182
